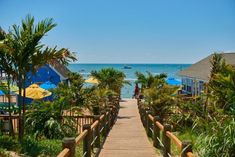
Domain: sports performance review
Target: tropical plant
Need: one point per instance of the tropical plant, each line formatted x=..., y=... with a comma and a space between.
x=71, y=96
x=48, y=118
x=111, y=79
x=218, y=140
x=157, y=93
x=27, y=53
x=6, y=65
x=2, y=34
x=222, y=86
x=98, y=99
x=148, y=80
x=44, y=119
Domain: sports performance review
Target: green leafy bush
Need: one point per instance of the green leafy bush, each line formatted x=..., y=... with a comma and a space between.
x=219, y=141
x=44, y=147
x=45, y=119
x=3, y=153
x=8, y=143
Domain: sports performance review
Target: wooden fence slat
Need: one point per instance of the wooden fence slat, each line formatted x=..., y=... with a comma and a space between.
x=64, y=153
x=81, y=136
x=175, y=139
x=87, y=140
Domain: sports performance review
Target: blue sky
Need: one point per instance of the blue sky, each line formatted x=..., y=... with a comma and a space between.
x=132, y=31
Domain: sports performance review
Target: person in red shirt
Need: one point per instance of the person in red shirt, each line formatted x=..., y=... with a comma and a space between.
x=137, y=91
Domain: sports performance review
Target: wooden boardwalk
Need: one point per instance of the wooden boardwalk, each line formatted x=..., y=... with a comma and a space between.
x=128, y=137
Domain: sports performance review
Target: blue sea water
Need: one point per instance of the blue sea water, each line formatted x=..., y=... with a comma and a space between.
x=127, y=91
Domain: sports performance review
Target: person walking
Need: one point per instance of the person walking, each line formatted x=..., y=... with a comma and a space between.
x=137, y=91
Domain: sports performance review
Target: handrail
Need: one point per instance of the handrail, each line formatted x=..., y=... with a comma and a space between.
x=150, y=117
x=81, y=137
x=175, y=139
x=153, y=128
x=79, y=116
x=190, y=154
x=64, y=153
x=102, y=117
x=90, y=135
x=7, y=116
x=159, y=125
x=94, y=125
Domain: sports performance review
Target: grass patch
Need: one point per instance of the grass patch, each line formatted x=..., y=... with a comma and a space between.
x=30, y=146
x=3, y=153
x=44, y=147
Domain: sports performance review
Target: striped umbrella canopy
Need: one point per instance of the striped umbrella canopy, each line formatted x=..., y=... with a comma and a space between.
x=36, y=92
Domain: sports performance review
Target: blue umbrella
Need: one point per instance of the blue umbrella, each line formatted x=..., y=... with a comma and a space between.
x=48, y=85
x=174, y=82
x=1, y=93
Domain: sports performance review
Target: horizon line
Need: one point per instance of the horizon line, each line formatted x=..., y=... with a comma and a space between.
x=129, y=63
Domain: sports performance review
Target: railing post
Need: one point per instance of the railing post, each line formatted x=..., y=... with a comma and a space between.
x=186, y=147
x=97, y=132
x=144, y=117
x=69, y=142
x=156, y=133
x=149, y=123
x=112, y=115
x=166, y=141
x=108, y=120
x=104, y=123
x=87, y=140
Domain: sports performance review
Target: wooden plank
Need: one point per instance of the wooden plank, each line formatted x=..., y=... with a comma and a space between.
x=64, y=153
x=175, y=139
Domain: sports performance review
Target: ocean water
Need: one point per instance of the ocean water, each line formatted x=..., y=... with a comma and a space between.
x=127, y=91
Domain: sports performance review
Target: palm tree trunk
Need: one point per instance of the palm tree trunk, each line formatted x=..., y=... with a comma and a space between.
x=23, y=116
x=23, y=105
x=9, y=107
x=20, y=135
x=21, y=123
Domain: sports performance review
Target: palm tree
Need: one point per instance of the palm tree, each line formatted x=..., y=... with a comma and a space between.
x=148, y=80
x=28, y=53
x=6, y=65
x=222, y=88
x=111, y=79
x=158, y=95
x=2, y=34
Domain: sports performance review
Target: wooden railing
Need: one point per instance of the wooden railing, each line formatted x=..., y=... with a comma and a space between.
x=80, y=121
x=91, y=134
x=154, y=129
x=4, y=119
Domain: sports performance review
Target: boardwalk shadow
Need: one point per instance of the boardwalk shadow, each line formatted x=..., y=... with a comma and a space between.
x=124, y=117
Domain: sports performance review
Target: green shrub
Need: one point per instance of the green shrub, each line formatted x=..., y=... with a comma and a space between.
x=8, y=143
x=44, y=120
x=43, y=147
x=3, y=153
x=219, y=141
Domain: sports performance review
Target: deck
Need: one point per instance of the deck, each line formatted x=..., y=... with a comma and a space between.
x=128, y=137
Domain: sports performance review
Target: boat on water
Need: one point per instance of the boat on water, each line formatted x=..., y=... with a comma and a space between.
x=127, y=67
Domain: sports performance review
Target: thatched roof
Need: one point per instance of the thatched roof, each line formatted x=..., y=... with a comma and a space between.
x=201, y=70
x=60, y=68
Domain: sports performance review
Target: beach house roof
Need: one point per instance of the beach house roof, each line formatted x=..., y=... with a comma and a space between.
x=61, y=69
x=201, y=70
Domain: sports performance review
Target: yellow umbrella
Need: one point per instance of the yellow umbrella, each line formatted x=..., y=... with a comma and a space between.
x=35, y=92
x=92, y=80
